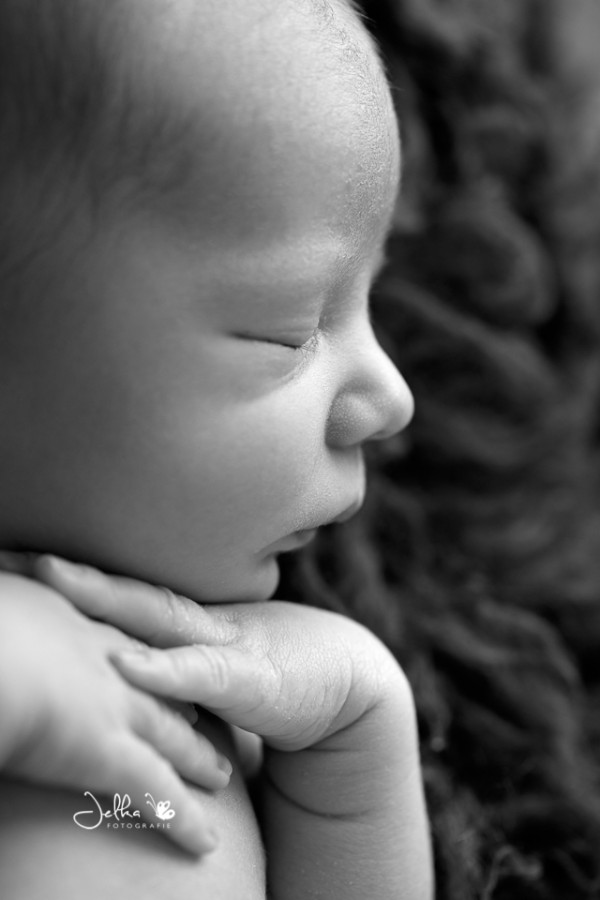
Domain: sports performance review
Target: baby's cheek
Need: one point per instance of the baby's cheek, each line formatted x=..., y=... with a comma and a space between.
x=284, y=451
x=273, y=457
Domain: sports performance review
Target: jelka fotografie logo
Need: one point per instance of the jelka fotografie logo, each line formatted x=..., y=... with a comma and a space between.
x=122, y=815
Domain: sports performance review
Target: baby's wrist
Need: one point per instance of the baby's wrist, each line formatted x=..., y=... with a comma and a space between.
x=378, y=692
x=356, y=769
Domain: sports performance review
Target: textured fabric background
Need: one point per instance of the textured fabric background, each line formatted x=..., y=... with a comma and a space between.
x=476, y=557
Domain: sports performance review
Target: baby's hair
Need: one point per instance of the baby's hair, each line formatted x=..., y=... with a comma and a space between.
x=53, y=92
x=77, y=124
x=83, y=123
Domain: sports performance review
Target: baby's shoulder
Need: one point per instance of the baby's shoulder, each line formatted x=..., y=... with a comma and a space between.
x=70, y=862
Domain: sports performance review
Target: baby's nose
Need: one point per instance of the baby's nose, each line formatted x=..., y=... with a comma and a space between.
x=374, y=403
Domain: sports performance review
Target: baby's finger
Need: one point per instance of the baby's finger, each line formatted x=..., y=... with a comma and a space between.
x=153, y=614
x=187, y=710
x=162, y=799
x=190, y=752
x=227, y=680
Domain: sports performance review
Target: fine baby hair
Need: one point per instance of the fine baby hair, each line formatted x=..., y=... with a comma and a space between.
x=197, y=198
x=82, y=123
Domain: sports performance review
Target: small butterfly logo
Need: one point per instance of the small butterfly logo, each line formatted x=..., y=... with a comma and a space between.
x=161, y=809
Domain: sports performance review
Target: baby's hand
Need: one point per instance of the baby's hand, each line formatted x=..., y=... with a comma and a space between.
x=293, y=675
x=70, y=719
x=341, y=799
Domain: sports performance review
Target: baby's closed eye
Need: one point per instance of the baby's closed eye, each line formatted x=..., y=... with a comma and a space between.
x=307, y=341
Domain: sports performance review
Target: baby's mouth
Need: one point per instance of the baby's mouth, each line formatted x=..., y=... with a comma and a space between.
x=306, y=536
x=298, y=539
x=294, y=541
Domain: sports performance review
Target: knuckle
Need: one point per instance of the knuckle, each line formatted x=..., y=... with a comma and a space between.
x=168, y=612
x=175, y=618
x=160, y=726
x=270, y=681
x=219, y=670
x=233, y=632
x=135, y=644
x=180, y=666
x=141, y=711
x=144, y=708
x=168, y=721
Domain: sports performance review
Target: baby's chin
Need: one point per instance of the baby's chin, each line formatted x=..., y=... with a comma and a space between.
x=252, y=583
x=261, y=585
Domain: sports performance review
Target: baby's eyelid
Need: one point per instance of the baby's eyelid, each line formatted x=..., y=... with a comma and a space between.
x=307, y=345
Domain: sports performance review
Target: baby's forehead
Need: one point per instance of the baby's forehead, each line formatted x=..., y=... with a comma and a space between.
x=262, y=80
x=138, y=99
x=243, y=119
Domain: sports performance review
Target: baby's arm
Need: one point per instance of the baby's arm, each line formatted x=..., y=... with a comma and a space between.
x=68, y=719
x=342, y=805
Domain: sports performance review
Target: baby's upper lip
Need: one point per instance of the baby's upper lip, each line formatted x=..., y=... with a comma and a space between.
x=308, y=531
x=343, y=516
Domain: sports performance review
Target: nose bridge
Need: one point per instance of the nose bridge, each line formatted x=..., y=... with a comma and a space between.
x=374, y=401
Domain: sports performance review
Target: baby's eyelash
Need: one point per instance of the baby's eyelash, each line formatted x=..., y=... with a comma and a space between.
x=309, y=345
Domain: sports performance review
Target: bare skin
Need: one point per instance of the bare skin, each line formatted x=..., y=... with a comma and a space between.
x=37, y=824
x=340, y=780
x=195, y=391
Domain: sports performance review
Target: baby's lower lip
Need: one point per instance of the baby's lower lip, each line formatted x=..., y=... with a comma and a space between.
x=294, y=541
x=305, y=537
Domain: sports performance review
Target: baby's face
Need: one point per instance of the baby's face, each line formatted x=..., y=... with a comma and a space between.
x=205, y=387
